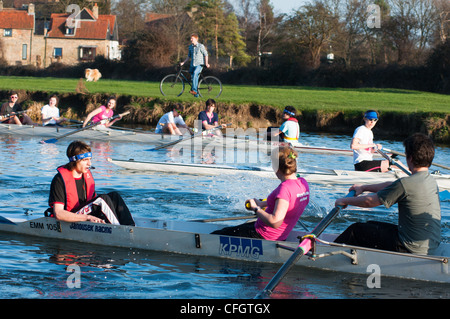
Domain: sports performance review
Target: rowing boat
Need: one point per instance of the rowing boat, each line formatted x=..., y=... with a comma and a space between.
x=98, y=133
x=313, y=175
x=138, y=136
x=195, y=238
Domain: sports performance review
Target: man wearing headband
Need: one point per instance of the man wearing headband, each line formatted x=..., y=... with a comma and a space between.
x=289, y=131
x=363, y=146
x=73, y=197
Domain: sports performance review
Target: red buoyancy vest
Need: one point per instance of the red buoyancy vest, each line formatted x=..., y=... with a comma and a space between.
x=72, y=200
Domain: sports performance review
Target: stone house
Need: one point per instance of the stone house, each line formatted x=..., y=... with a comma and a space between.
x=67, y=38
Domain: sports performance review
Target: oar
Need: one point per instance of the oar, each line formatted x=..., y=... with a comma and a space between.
x=6, y=117
x=304, y=246
x=187, y=139
x=54, y=140
x=212, y=220
x=404, y=155
x=392, y=162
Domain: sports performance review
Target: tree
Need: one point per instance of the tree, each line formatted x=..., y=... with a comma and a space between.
x=233, y=43
x=312, y=27
x=219, y=27
x=266, y=25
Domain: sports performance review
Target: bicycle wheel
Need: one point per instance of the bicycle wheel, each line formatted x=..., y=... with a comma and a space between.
x=171, y=85
x=210, y=87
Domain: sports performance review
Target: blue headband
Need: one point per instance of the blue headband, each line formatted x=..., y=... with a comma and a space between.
x=80, y=157
x=289, y=112
x=371, y=115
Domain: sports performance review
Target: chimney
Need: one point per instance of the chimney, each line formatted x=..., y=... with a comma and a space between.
x=1, y=5
x=95, y=11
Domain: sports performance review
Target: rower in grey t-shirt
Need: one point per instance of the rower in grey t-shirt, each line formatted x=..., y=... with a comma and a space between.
x=419, y=211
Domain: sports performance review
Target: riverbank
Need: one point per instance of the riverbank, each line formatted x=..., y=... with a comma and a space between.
x=319, y=110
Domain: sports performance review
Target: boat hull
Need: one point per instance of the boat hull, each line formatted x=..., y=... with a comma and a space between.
x=324, y=176
x=194, y=238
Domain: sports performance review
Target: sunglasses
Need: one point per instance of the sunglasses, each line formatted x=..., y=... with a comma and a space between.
x=180, y=112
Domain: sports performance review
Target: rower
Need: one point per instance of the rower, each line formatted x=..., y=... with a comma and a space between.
x=103, y=113
x=73, y=197
x=289, y=131
x=419, y=212
x=9, y=112
x=363, y=146
x=209, y=118
x=278, y=215
x=171, y=122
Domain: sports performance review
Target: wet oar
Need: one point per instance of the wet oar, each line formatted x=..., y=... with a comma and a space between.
x=54, y=140
x=187, y=139
x=304, y=246
x=401, y=154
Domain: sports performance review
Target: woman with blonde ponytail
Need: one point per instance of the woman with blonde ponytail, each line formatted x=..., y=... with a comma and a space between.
x=279, y=214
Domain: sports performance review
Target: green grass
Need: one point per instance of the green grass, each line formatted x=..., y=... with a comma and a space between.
x=303, y=98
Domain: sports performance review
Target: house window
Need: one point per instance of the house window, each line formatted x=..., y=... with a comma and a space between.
x=7, y=33
x=87, y=53
x=57, y=52
x=24, y=51
x=70, y=31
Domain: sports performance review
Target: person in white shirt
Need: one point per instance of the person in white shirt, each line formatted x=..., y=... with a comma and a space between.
x=363, y=146
x=171, y=122
x=50, y=113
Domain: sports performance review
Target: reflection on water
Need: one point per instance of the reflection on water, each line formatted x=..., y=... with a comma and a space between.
x=35, y=268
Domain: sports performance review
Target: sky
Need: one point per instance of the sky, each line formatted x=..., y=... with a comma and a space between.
x=286, y=6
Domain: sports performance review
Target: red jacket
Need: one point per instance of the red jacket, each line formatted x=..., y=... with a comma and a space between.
x=72, y=199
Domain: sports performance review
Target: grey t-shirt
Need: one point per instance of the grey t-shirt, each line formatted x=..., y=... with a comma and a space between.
x=419, y=211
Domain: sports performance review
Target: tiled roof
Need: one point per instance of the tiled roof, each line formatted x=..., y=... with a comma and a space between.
x=16, y=19
x=151, y=16
x=89, y=29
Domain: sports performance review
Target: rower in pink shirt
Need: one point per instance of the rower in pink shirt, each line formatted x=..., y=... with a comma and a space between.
x=103, y=113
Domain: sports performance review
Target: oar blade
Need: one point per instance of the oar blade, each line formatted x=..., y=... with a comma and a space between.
x=49, y=141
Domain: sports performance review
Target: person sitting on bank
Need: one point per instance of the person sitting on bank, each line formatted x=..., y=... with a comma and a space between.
x=73, y=197
x=9, y=112
x=289, y=131
x=50, y=113
x=172, y=122
x=419, y=212
x=209, y=118
x=284, y=205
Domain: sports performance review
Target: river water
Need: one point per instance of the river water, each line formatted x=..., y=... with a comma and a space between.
x=36, y=268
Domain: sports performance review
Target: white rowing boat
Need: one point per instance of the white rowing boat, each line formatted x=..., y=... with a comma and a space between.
x=98, y=133
x=313, y=175
x=137, y=136
x=194, y=238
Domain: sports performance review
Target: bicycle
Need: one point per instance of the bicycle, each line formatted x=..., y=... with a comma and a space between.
x=173, y=85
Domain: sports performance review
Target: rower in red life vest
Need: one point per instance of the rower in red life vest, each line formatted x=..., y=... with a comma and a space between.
x=73, y=197
x=289, y=131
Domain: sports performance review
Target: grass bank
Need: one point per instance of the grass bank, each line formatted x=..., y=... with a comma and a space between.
x=320, y=109
x=304, y=98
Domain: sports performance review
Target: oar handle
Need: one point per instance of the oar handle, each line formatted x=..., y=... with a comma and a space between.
x=391, y=161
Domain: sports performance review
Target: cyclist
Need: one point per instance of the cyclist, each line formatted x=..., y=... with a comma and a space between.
x=199, y=58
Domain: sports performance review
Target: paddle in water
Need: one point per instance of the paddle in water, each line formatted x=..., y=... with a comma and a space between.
x=303, y=248
x=54, y=140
